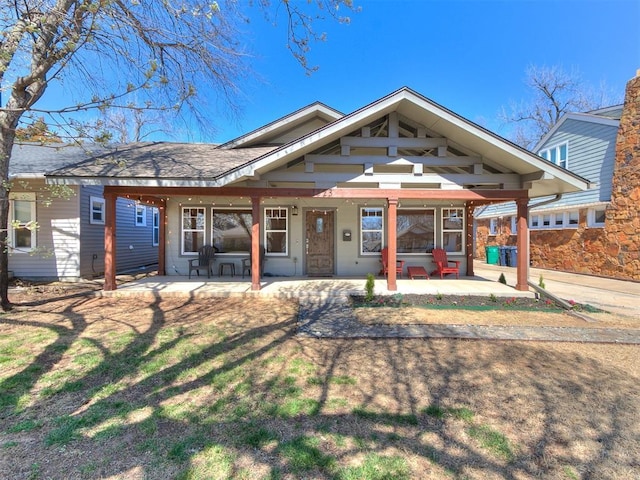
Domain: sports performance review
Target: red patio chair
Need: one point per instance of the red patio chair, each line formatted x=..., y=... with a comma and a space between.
x=385, y=263
x=442, y=263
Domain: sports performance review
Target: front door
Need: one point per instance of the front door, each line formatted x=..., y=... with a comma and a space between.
x=319, y=242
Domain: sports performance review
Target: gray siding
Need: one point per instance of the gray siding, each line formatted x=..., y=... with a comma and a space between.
x=591, y=154
x=57, y=238
x=127, y=234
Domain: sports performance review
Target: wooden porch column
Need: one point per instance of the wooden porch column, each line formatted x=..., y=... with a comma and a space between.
x=468, y=210
x=110, y=241
x=392, y=243
x=522, y=243
x=162, y=237
x=255, y=243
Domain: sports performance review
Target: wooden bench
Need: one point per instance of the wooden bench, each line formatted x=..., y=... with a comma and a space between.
x=417, y=272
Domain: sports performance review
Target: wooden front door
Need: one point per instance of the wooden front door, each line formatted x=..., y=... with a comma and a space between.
x=319, y=243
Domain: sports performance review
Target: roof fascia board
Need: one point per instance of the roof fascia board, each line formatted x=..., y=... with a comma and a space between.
x=292, y=117
x=581, y=117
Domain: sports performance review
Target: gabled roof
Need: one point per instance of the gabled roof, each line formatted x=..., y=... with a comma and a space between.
x=317, y=113
x=165, y=164
x=464, y=133
x=597, y=117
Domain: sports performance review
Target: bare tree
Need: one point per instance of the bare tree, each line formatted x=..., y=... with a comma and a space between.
x=158, y=53
x=554, y=93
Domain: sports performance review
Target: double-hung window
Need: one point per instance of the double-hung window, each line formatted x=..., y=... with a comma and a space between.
x=96, y=210
x=276, y=231
x=371, y=230
x=416, y=232
x=193, y=229
x=453, y=229
x=141, y=216
x=558, y=155
x=23, y=221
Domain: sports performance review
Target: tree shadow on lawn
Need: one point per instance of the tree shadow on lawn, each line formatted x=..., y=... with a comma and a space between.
x=206, y=388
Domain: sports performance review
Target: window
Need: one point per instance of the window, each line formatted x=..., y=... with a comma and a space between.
x=534, y=221
x=193, y=228
x=493, y=226
x=416, y=230
x=596, y=217
x=557, y=155
x=155, y=213
x=23, y=221
x=231, y=229
x=572, y=219
x=371, y=230
x=514, y=225
x=452, y=229
x=141, y=216
x=276, y=231
x=96, y=210
x=558, y=220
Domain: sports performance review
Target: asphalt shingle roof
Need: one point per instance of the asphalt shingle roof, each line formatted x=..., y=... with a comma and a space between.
x=135, y=160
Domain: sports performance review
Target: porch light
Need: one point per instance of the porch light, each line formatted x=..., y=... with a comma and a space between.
x=294, y=210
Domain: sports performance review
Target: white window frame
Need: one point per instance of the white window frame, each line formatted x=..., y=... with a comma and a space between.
x=555, y=221
x=22, y=197
x=184, y=230
x=447, y=214
x=591, y=217
x=155, y=230
x=268, y=213
x=493, y=226
x=568, y=220
x=534, y=221
x=554, y=155
x=363, y=231
x=97, y=201
x=140, y=219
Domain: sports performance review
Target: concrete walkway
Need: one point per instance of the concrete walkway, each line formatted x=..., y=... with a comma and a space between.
x=615, y=296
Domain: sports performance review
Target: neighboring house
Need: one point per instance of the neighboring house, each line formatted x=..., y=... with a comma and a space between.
x=68, y=243
x=574, y=232
x=325, y=192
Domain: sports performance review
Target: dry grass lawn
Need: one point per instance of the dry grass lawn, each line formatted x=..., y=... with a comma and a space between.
x=141, y=388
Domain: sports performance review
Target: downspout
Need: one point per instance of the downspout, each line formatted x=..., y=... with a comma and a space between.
x=546, y=202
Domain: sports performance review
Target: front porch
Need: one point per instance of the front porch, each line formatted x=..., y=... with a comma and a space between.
x=296, y=287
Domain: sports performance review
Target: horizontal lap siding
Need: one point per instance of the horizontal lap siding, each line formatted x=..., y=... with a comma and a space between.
x=58, y=238
x=141, y=238
x=591, y=155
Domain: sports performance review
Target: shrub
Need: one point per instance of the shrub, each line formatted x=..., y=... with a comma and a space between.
x=368, y=287
x=502, y=279
x=541, y=282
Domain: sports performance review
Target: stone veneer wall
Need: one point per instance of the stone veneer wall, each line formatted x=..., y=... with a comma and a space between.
x=622, y=224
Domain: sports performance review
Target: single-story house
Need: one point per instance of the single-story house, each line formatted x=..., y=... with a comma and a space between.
x=68, y=242
x=324, y=192
x=596, y=232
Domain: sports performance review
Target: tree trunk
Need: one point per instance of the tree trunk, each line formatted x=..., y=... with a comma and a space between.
x=8, y=125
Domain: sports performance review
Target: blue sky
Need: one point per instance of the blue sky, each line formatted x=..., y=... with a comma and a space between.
x=469, y=56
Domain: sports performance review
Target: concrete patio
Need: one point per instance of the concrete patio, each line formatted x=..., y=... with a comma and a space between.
x=295, y=287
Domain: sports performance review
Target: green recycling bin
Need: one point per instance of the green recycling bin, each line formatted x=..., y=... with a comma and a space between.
x=493, y=254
